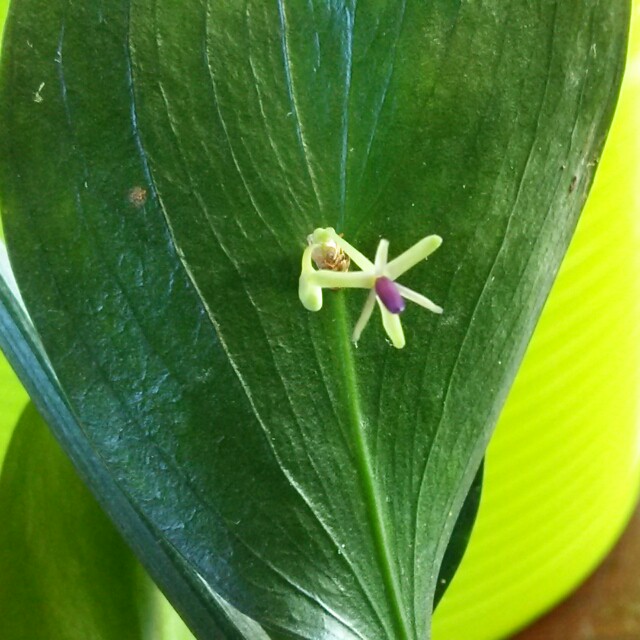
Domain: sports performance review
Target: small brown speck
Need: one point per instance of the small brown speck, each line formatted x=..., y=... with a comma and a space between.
x=137, y=196
x=573, y=183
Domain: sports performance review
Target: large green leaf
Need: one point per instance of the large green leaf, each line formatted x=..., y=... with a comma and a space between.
x=311, y=484
x=40, y=539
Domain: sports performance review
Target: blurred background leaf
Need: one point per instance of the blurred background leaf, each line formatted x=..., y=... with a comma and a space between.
x=65, y=573
x=13, y=398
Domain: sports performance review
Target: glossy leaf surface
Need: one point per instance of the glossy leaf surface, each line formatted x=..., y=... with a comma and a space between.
x=208, y=613
x=166, y=162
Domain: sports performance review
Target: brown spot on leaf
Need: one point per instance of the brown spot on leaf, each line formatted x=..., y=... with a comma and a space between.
x=137, y=196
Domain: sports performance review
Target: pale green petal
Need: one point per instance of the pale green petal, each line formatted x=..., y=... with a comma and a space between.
x=363, y=262
x=382, y=255
x=321, y=235
x=307, y=264
x=392, y=325
x=418, y=298
x=310, y=294
x=419, y=251
x=367, y=310
x=342, y=279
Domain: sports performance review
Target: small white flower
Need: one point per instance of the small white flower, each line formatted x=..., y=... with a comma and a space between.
x=378, y=276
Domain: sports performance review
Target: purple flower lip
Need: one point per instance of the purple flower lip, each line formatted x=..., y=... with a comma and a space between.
x=389, y=295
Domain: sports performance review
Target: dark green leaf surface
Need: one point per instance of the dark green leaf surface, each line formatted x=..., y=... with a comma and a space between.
x=206, y=611
x=311, y=484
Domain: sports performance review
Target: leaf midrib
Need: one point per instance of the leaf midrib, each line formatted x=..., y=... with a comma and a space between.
x=366, y=474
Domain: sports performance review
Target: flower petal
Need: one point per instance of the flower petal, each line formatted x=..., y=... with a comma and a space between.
x=382, y=255
x=367, y=310
x=323, y=235
x=392, y=325
x=418, y=298
x=342, y=279
x=310, y=294
x=420, y=251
